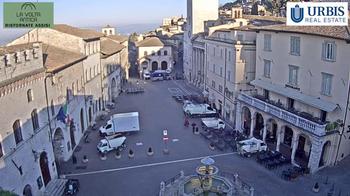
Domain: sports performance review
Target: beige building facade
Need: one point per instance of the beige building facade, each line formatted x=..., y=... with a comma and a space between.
x=302, y=88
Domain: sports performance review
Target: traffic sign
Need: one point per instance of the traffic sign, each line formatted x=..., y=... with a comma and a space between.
x=165, y=138
x=165, y=132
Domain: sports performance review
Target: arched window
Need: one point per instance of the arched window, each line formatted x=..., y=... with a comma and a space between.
x=17, y=131
x=159, y=53
x=153, y=53
x=145, y=53
x=165, y=53
x=30, y=95
x=35, y=119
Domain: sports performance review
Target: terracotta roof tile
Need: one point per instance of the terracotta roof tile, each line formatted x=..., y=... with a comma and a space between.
x=149, y=42
x=118, y=38
x=337, y=32
x=109, y=47
x=57, y=58
x=82, y=33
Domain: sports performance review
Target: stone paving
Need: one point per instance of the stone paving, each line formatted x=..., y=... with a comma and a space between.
x=142, y=174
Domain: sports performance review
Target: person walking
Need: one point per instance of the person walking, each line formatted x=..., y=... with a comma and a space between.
x=193, y=127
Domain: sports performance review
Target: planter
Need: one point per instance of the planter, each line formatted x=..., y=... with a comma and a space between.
x=150, y=151
x=131, y=154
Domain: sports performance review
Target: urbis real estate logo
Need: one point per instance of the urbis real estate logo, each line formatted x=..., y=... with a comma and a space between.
x=317, y=13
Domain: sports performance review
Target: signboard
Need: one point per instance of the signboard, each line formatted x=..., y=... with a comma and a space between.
x=165, y=135
x=28, y=15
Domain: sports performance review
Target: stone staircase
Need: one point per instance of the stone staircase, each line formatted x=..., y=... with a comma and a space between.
x=55, y=187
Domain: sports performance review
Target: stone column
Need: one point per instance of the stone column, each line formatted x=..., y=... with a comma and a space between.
x=294, y=146
x=278, y=135
x=265, y=130
x=252, y=121
x=238, y=117
x=315, y=156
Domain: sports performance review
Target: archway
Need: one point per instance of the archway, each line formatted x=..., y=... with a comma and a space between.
x=58, y=144
x=246, y=119
x=154, y=65
x=114, y=88
x=90, y=115
x=27, y=191
x=144, y=65
x=271, y=134
x=82, y=120
x=259, y=126
x=326, y=149
x=164, y=65
x=44, y=167
x=288, y=136
x=302, y=153
x=72, y=138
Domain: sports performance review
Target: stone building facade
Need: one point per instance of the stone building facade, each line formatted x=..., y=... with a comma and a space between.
x=27, y=162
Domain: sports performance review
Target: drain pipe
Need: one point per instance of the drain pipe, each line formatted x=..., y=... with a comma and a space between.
x=343, y=130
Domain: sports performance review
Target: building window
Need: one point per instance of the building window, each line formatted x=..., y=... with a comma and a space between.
x=214, y=51
x=266, y=94
x=221, y=53
x=110, y=32
x=240, y=37
x=213, y=84
x=15, y=56
x=25, y=54
x=290, y=103
x=229, y=76
x=52, y=108
x=220, y=88
x=267, y=42
x=295, y=45
x=329, y=51
x=293, y=75
x=153, y=53
x=229, y=55
x=17, y=131
x=221, y=71
x=267, y=68
x=145, y=53
x=323, y=116
x=30, y=95
x=326, y=86
x=159, y=53
x=35, y=54
x=35, y=119
x=214, y=68
x=165, y=53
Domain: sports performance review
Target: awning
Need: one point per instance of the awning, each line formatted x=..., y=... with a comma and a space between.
x=297, y=95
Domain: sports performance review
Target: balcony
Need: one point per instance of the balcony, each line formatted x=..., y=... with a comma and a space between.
x=300, y=120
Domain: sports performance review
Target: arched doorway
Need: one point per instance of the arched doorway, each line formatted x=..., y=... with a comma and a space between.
x=154, y=65
x=271, y=134
x=246, y=119
x=27, y=191
x=114, y=88
x=144, y=65
x=259, y=126
x=58, y=144
x=90, y=115
x=164, y=65
x=288, y=136
x=44, y=167
x=82, y=120
x=326, y=149
x=302, y=153
x=72, y=138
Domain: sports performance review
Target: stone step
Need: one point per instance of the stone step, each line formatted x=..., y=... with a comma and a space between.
x=55, y=187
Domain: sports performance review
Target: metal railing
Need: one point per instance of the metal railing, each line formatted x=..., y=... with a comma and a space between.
x=285, y=115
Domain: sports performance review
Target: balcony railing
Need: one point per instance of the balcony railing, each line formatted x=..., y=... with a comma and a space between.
x=303, y=123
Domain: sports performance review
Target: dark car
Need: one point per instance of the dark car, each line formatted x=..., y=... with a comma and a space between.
x=71, y=187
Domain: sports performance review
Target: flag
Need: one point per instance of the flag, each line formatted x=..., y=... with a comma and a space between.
x=62, y=114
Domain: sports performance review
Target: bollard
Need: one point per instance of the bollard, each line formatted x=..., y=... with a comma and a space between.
x=131, y=154
x=316, y=188
x=150, y=151
x=196, y=132
x=85, y=159
x=117, y=154
x=103, y=156
x=212, y=146
x=251, y=191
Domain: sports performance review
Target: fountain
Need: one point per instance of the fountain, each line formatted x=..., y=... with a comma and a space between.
x=206, y=182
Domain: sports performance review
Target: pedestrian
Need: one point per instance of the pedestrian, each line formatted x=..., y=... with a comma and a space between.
x=74, y=159
x=197, y=129
x=186, y=122
x=193, y=126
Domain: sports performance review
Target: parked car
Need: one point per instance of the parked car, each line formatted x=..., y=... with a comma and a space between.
x=146, y=75
x=121, y=123
x=250, y=146
x=114, y=142
x=71, y=187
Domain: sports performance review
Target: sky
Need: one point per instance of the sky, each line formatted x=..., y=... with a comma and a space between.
x=96, y=13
